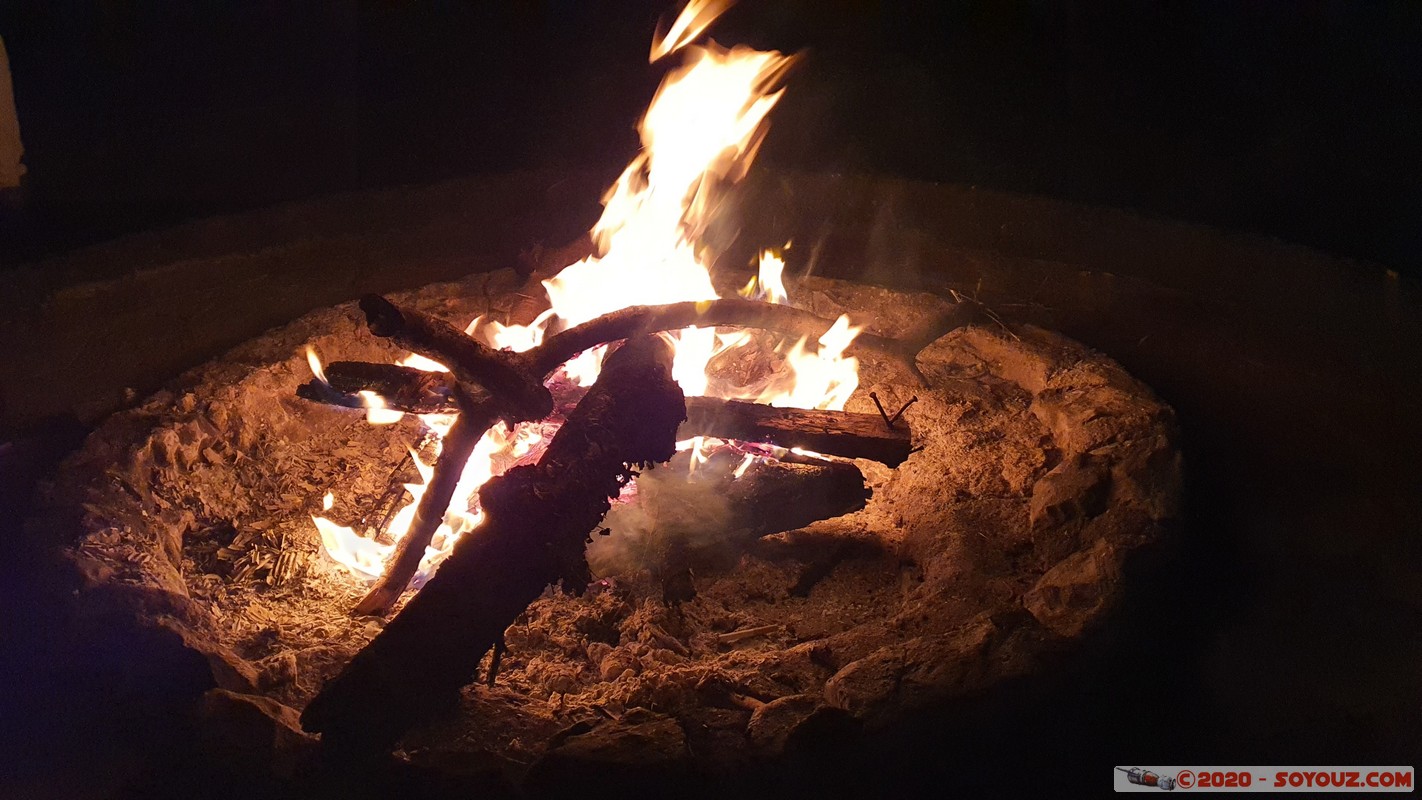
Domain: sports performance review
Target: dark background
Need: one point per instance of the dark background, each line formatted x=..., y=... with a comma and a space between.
x=1298, y=120
x=1289, y=627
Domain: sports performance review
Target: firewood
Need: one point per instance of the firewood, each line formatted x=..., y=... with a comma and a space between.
x=836, y=433
x=516, y=379
x=475, y=418
x=536, y=520
x=635, y=320
x=407, y=389
x=692, y=520
x=520, y=393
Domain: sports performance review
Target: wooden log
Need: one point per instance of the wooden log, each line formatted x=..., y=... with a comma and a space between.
x=520, y=393
x=537, y=518
x=636, y=320
x=836, y=433
x=686, y=522
x=414, y=391
x=474, y=420
x=771, y=497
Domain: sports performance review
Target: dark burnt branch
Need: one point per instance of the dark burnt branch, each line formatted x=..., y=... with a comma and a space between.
x=517, y=378
x=475, y=418
x=403, y=388
x=635, y=320
x=521, y=394
x=836, y=433
x=536, y=520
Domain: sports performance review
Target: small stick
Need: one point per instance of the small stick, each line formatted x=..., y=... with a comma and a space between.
x=888, y=423
x=390, y=499
x=494, y=659
x=746, y=633
x=901, y=410
x=468, y=428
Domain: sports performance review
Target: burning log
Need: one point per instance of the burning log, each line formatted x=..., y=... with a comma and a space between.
x=521, y=394
x=537, y=518
x=517, y=378
x=686, y=519
x=475, y=418
x=836, y=433
x=635, y=320
x=413, y=391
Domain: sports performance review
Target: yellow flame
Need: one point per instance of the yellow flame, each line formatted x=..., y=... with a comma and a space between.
x=745, y=465
x=700, y=133
x=376, y=410
x=690, y=24
x=420, y=362
x=824, y=378
x=769, y=283
x=315, y=362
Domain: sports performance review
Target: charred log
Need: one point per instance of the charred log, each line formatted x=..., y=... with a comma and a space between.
x=521, y=394
x=414, y=391
x=707, y=518
x=836, y=433
x=475, y=418
x=516, y=379
x=536, y=520
x=636, y=320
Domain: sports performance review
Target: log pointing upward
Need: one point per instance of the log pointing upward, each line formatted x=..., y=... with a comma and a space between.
x=537, y=518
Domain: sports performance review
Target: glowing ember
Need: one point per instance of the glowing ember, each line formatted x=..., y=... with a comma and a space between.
x=700, y=133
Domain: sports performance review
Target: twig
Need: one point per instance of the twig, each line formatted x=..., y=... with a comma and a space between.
x=390, y=498
x=746, y=633
x=494, y=659
x=888, y=423
x=468, y=428
x=901, y=410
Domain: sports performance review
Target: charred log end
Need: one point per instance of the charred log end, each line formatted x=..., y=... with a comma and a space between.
x=318, y=392
x=383, y=316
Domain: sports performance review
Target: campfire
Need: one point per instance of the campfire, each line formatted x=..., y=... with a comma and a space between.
x=533, y=398
x=633, y=488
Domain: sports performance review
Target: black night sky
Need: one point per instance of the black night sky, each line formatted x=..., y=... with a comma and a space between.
x=198, y=172
x=1293, y=120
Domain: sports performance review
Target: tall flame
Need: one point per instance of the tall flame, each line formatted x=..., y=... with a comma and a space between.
x=700, y=133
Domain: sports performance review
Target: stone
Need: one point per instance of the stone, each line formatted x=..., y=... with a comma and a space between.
x=772, y=725
x=1074, y=490
x=253, y=732
x=1074, y=592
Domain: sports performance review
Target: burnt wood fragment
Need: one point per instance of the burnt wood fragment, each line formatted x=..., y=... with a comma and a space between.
x=836, y=433
x=476, y=417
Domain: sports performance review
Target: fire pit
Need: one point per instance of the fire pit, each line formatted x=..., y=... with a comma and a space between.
x=1039, y=467
x=466, y=524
